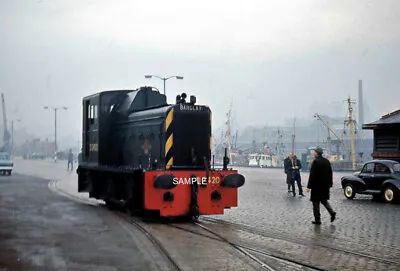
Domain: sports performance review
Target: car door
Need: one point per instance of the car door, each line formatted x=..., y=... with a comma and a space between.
x=381, y=174
x=367, y=175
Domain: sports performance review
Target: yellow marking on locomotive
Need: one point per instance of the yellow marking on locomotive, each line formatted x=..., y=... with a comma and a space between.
x=169, y=143
x=169, y=118
x=170, y=163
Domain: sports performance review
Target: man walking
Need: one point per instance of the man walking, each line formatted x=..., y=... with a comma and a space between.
x=319, y=183
x=70, y=160
x=288, y=166
x=297, y=176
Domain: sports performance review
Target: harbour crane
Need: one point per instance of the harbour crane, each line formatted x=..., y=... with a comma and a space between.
x=330, y=130
x=6, y=133
x=351, y=122
x=228, y=133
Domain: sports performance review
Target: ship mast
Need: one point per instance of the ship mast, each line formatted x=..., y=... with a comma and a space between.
x=279, y=147
x=228, y=133
x=265, y=144
x=329, y=143
x=294, y=135
x=352, y=124
x=236, y=137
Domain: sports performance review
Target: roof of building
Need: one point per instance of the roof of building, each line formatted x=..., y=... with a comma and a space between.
x=389, y=119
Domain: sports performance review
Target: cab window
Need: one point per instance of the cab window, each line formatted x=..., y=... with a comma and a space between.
x=368, y=168
x=381, y=168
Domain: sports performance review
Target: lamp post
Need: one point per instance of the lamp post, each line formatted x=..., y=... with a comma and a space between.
x=164, y=78
x=12, y=135
x=55, y=109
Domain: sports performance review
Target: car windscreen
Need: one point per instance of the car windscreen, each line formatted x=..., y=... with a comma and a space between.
x=396, y=168
x=4, y=157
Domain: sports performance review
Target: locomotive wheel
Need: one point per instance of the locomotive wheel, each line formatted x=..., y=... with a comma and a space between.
x=184, y=219
x=112, y=205
x=195, y=213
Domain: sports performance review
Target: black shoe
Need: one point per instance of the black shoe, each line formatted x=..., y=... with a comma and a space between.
x=316, y=222
x=333, y=217
x=302, y=195
x=294, y=194
x=289, y=191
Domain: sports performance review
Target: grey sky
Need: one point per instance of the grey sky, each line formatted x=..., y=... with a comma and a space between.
x=275, y=59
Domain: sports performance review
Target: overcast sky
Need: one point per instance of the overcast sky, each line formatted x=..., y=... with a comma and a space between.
x=274, y=59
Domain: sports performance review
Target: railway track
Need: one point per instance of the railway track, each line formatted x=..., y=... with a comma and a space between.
x=173, y=265
x=246, y=250
x=156, y=243
x=255, y=254
x=262, y=233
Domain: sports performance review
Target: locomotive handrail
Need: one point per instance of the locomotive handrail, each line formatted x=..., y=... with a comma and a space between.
x=207, y=169
x=187, y=167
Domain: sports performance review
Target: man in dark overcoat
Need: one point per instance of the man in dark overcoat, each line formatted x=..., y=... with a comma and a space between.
x=288, y=166
x=319, y=183
x=297, y=176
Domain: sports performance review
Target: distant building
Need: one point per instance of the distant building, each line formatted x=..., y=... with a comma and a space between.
x=386, y=136
x=37, y=146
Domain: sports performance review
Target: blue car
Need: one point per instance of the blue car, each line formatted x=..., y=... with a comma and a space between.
x=379, y=178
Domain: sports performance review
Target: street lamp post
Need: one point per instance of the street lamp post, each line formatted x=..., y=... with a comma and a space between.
x=55, y=123
x=164, y=78
x=12, y=135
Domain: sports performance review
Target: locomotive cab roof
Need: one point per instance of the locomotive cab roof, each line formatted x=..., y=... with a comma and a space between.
x=125, y=102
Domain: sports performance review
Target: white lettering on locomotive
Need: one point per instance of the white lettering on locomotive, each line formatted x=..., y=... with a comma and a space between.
x=192, y=180
x=187, y=107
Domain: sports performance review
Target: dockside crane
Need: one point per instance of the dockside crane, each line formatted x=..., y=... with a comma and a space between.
x=330, y=130
x=351, y=122
x=6, y=133
x=228, y=133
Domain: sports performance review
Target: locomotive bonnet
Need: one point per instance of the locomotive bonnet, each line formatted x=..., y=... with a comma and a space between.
x=138, y=129
x=135, y=147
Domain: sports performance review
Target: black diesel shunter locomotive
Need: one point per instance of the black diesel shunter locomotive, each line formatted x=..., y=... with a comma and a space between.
x=136, y=148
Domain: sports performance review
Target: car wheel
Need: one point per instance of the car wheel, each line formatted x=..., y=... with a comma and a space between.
x=389, y=194
x=349, y=191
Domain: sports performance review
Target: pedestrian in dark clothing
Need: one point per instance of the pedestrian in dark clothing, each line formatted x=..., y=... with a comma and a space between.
x=70, y=161
x=288, y=166
x=296, y=176
x=319, y=183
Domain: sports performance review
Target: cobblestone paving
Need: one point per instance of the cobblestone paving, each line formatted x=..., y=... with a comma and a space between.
x=364, y=236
